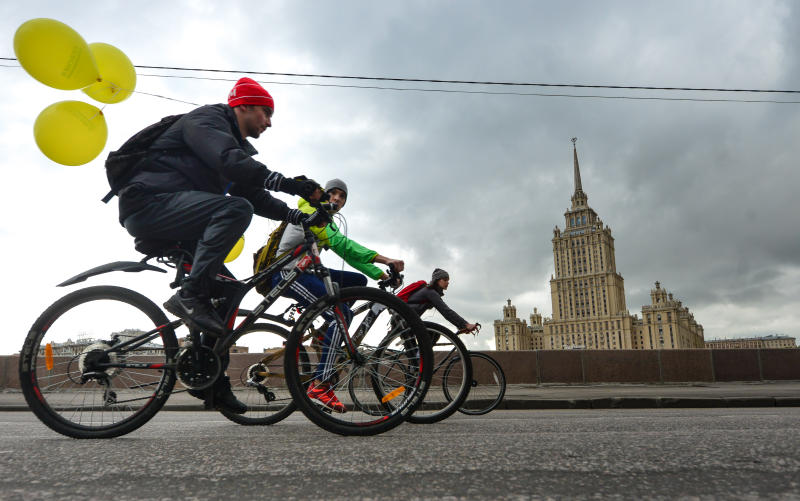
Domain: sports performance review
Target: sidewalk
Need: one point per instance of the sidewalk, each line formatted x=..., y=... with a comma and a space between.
x=598, y=396
x=605, y=396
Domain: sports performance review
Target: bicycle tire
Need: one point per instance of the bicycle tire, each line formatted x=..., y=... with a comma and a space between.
x=450, y=378
x=488, y=385
x=411, y=380
x=261, y=383
x=55, y=374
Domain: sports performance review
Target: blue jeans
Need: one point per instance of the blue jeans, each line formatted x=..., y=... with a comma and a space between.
x=307, y=289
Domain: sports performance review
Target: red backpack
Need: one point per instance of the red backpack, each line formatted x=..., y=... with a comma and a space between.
x=409, y=289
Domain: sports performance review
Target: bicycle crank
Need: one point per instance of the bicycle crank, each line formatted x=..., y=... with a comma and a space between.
x=198, y=367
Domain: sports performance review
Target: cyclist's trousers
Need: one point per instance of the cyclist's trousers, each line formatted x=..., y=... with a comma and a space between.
x=215, y=222
x=307, y=289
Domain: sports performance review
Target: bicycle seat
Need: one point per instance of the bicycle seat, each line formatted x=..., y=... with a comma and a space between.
x=155, y=247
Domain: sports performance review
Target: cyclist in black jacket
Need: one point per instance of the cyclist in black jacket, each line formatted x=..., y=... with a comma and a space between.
x=181, y=193
x=430, y=296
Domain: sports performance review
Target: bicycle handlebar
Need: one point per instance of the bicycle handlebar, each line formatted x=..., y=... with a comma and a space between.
x=324, y=210
x=394, y=280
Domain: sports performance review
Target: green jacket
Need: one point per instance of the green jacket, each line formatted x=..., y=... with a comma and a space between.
x=353, y=253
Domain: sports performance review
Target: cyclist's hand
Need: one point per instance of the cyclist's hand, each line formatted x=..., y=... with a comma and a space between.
x=469, y=328
x=296, y=216
x=306, y=188
x=398, y=264
x=319, y=218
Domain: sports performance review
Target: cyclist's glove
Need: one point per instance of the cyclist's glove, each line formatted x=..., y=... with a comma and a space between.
x=296, y=216
x=319, y=218
x=299, y=186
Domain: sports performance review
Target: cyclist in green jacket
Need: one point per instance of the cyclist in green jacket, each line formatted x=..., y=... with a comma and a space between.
x=308, y=288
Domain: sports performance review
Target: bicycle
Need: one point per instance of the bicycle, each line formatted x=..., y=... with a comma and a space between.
x=450, y=377
x=261, y=384
x=119, y=380
x=451, y=373
x=469, y=382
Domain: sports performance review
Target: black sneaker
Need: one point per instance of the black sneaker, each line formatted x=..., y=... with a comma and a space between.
x=224, y=397
x=196, y=312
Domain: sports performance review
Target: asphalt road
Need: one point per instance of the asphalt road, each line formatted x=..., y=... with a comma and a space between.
x=735, y=453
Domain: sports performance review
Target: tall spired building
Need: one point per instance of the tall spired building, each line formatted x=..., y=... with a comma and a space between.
x=588, y=296
x=587, y=293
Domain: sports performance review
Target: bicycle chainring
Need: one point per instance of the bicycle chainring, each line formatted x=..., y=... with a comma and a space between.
x=198, y=367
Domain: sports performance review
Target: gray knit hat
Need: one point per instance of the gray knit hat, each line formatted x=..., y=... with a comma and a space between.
x=336, y=183
x=438, y=273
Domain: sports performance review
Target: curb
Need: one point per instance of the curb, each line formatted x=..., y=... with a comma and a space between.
x=580, y=403
x=648, y=403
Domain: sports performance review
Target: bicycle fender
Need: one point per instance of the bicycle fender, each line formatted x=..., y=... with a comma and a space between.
x=128, y=266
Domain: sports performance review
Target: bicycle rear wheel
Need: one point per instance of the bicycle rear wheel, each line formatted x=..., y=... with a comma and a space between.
x=450, y=379
x=394, y=354
x=98, y=363
x=488, y=385
x=257, y=377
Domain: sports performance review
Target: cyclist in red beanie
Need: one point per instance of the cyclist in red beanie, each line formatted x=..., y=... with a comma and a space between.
x=200, y=185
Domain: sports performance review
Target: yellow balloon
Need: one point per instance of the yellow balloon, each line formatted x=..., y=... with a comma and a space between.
x=71, y=132
x=55, y=54
x=235, y=251
x=118, y=78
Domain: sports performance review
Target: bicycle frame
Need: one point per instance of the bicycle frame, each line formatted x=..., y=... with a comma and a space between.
x=239, y=289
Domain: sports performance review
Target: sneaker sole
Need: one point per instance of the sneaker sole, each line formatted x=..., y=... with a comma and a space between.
x=182, y=314
x=327, y=408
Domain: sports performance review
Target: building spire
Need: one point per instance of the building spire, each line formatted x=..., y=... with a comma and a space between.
x=578, y=187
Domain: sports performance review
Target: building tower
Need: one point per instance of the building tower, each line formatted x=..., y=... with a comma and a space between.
x=511, y=333
x=667, y=324
x=587, y=293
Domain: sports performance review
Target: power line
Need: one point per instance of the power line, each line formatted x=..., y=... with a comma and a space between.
x=495, y=93
x=465, y=82
x=471, y=82
x=462, y=91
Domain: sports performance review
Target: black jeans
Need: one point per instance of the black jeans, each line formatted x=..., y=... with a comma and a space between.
x=214, y=221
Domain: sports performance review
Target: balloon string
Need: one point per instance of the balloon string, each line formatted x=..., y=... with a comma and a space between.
x=133, y=91
x=99, y=112
x=164, y=97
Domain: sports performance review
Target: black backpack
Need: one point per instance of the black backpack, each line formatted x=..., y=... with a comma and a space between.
x=122, y=164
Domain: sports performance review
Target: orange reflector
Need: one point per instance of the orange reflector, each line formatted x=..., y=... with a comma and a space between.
x=392, y=395
x=48, y=356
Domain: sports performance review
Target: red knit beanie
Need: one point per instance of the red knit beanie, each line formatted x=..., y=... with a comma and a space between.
x=248, y=91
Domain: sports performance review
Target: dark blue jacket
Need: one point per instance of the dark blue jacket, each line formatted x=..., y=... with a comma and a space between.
x=204, y=151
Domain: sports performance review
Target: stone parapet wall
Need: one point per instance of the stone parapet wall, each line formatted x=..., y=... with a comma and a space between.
x=599, y=366
x=648, y=366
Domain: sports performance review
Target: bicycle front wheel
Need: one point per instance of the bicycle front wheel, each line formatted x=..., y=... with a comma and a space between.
x=98, y=363
x=488, y=386
x=380, y=369
x=257, y=377
x=450, y=380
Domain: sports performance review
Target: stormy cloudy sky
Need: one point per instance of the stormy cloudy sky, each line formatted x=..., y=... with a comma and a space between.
x=701, y=195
